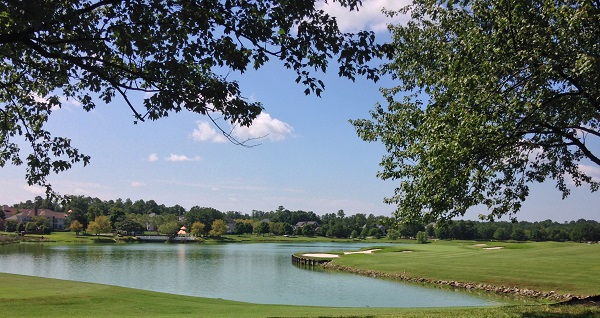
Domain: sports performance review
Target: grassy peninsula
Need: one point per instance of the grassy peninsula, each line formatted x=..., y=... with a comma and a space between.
x=564, y=268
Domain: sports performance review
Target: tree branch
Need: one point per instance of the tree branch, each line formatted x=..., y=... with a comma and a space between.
x=577, y=143
x=231, y=138
x=574, y=82
x=89, y=68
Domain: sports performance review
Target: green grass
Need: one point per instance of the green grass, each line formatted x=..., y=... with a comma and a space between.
x=61, y=238
x=25, y=296
x=567, y=268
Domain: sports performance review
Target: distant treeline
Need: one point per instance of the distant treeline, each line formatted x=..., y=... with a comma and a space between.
x=135, y=216
x=578, y=231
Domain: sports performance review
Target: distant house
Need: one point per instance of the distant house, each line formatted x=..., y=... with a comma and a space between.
x=57, y=219
x=300, y=225
x=8, y=211
x=150, y=226
x=231, y=227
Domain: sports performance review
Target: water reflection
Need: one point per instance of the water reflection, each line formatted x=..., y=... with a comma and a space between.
x=257, y=273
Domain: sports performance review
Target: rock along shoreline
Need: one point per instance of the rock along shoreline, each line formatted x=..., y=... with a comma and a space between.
x=499, y=290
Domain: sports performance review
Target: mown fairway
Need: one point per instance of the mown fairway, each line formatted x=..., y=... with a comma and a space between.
x=567, y=268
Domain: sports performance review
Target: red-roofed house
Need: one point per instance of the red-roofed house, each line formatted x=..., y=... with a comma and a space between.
x=57, y=219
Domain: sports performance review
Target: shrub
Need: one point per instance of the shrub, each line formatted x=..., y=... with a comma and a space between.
x=11, y=225
x=393, y=234
x=421, y=237
x=30, y=227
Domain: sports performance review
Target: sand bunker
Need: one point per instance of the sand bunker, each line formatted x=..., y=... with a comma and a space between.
x=324, y=255
x=363, y=252
x=494, y=248
x=321, y=255
x=480, y=245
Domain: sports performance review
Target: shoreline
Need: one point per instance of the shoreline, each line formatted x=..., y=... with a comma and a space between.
x=497, y=290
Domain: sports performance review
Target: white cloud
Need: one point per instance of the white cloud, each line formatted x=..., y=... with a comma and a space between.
x=264, y=126
x=153, y=157
x=368, y=17
x=63, y=100
x=182, y=158
x=204, y=132
x=136, y=184
x=591, y=171
x=80, y=191
x=70, y=101
x=34, y=190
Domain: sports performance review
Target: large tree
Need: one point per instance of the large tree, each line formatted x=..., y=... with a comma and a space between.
x=497, y=95
x=218, y=228
x=99, y=225
x=176, y=53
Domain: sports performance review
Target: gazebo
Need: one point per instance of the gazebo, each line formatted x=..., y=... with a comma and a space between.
x=183, y=231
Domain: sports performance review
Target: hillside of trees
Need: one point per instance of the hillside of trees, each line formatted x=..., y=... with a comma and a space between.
x=87, y=213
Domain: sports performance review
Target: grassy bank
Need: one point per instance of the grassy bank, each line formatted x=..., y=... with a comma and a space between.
x=24, y=296
x=566, y=268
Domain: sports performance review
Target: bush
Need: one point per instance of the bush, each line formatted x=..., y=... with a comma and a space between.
x=30, y=227
x=393, y=234
x=45, y=230
x=11, y=226
x=421, y=237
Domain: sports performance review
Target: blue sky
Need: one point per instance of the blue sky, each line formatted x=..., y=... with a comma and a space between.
x=311, y=160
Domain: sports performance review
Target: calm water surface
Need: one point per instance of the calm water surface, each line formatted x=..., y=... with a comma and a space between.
x=256, y=273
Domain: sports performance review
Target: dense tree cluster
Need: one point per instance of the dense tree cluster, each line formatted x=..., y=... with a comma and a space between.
x=577, y=231
x=489, y=97
x=126, y=217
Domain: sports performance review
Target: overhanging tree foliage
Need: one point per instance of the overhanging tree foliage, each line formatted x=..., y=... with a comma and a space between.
x=178, y=51
x=499, y=94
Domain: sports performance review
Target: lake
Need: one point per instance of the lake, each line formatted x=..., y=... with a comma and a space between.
x=257, y=273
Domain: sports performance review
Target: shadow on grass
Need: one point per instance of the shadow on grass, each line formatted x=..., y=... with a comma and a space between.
x=329, y=317
x=103, y=240
x=591, y=303
x=585, y=314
